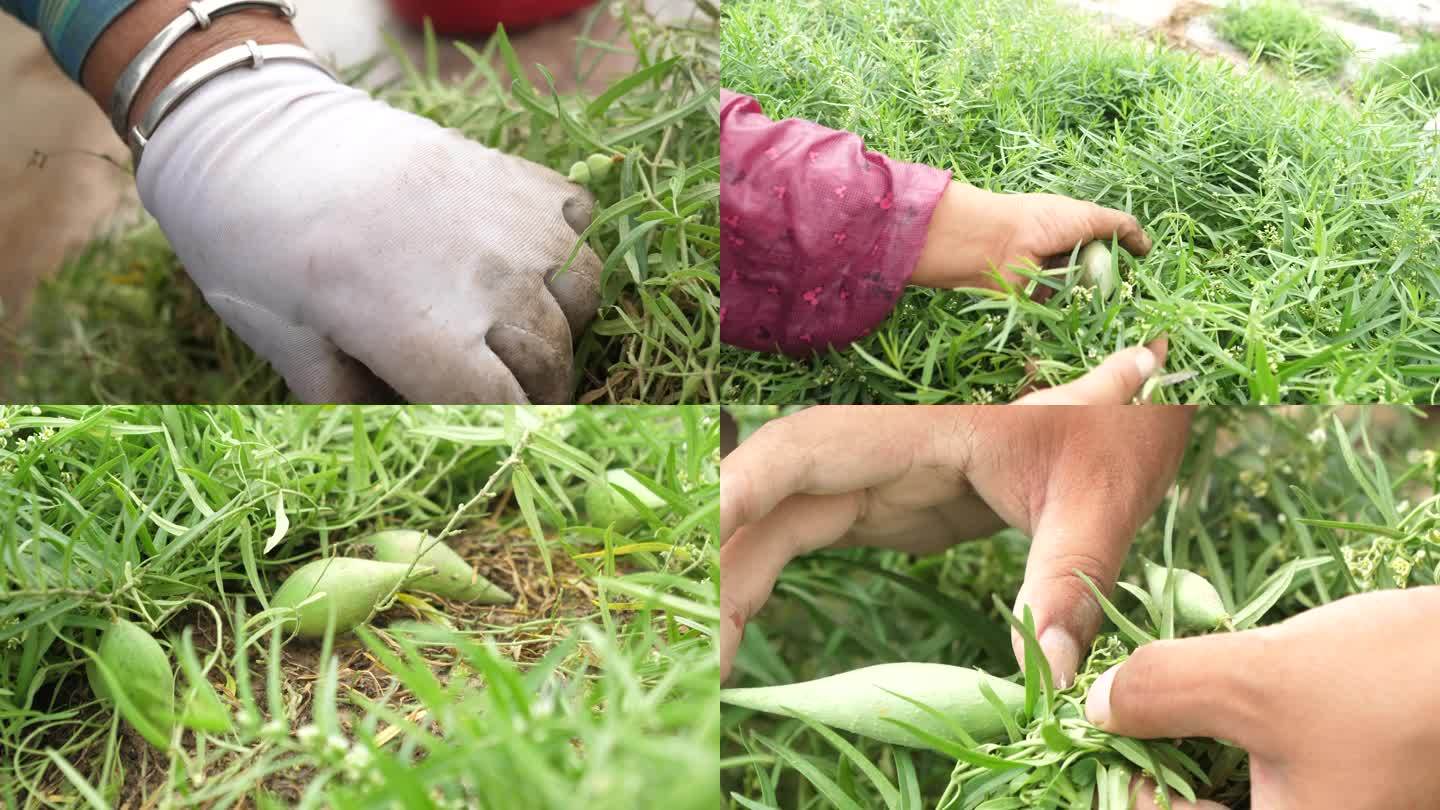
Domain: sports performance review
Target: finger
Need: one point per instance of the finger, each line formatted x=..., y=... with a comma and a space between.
x=579, y=206
x=535, y=344
x=1207, y=686
x=752, y=560
x=440, y=366
x=313, y=367
x=1105, y=223
x=822, y=450
x=1067, y=616
x=577, y=290
x=1116, y=381
x=1095, y=495
x=1143, y=793
x=442, y=369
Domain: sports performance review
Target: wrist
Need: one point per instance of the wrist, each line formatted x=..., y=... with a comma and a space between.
x=134, y=28
x=963, y=238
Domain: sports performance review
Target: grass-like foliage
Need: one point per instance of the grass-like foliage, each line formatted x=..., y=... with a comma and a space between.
x=1284, y=33
x=1282, y=511
x=123, y=323
x=1295, y=255
x=1417, y=74
x=120, y=323
x=597, y=687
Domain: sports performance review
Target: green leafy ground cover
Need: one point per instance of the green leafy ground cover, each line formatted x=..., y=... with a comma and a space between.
x=1416, y=75
x=597, y=687
x=1284, y=33
x=1295, y=259
x=122, y=324
x=1290, y=509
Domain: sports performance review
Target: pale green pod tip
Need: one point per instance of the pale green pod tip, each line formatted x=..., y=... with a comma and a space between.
x=579, y=172
x=1198, y=605
x=353, y=587
x=142, y=670
x=600, y=165
x=862, y=701
x=1096, y=268
x=605, y=507
x=453, y=577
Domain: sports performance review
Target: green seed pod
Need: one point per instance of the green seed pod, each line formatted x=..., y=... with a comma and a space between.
x=604, y=506
x=600, y=165
x=1097, y=270
x=579, y=172
x=352, y=586
x=140, y=670
x=453, y=577
x=861, y=700
x=1197, y=604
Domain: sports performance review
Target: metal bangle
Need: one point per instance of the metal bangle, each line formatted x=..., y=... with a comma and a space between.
x=198, y=14
x=247, y=55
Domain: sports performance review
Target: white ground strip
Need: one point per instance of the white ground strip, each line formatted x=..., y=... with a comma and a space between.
x=1372, y=44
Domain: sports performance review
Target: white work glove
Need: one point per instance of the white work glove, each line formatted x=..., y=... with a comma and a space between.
x=367, y=252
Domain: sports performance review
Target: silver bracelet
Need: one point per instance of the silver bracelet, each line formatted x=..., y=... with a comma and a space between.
x=198, y=14
x=247, y=55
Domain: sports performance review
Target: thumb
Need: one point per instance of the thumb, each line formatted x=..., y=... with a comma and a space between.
x=1208, y=686
x=1116, y=381
x=1092, y=541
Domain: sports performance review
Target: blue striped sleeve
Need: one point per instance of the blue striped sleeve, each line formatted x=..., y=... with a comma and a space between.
x=69, y=27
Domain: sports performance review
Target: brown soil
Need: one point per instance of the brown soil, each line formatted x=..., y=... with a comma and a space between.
x=1173, y=27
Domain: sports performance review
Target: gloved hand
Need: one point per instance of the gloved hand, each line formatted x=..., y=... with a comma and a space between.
x=367, y=252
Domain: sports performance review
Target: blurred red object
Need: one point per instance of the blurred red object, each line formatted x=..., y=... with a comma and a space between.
x=482, y=16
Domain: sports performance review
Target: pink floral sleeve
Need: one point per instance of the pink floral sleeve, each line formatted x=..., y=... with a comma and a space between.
x=818, y=235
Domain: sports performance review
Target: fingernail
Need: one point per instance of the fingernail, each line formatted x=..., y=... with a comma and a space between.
x=1097, y=703
x=1145, y=363
x=1063, y=654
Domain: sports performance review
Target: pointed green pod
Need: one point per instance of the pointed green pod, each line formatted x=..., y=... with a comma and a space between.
x=863, y=700
x=579, y=172
x=352, y=587
x=135, y=667
x=1197, y=604
x=1098, y=271
x=605, y=507
x=453, y=577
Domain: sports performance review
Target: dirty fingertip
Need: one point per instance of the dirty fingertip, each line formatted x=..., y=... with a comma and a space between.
x=1063, y=653
x=1097, y=702
x=1145, y=362
x=1159, y=347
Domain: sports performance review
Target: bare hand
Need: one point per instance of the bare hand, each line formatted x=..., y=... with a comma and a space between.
x=1336, y=706
x=1080, y=481
x=974, y=231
